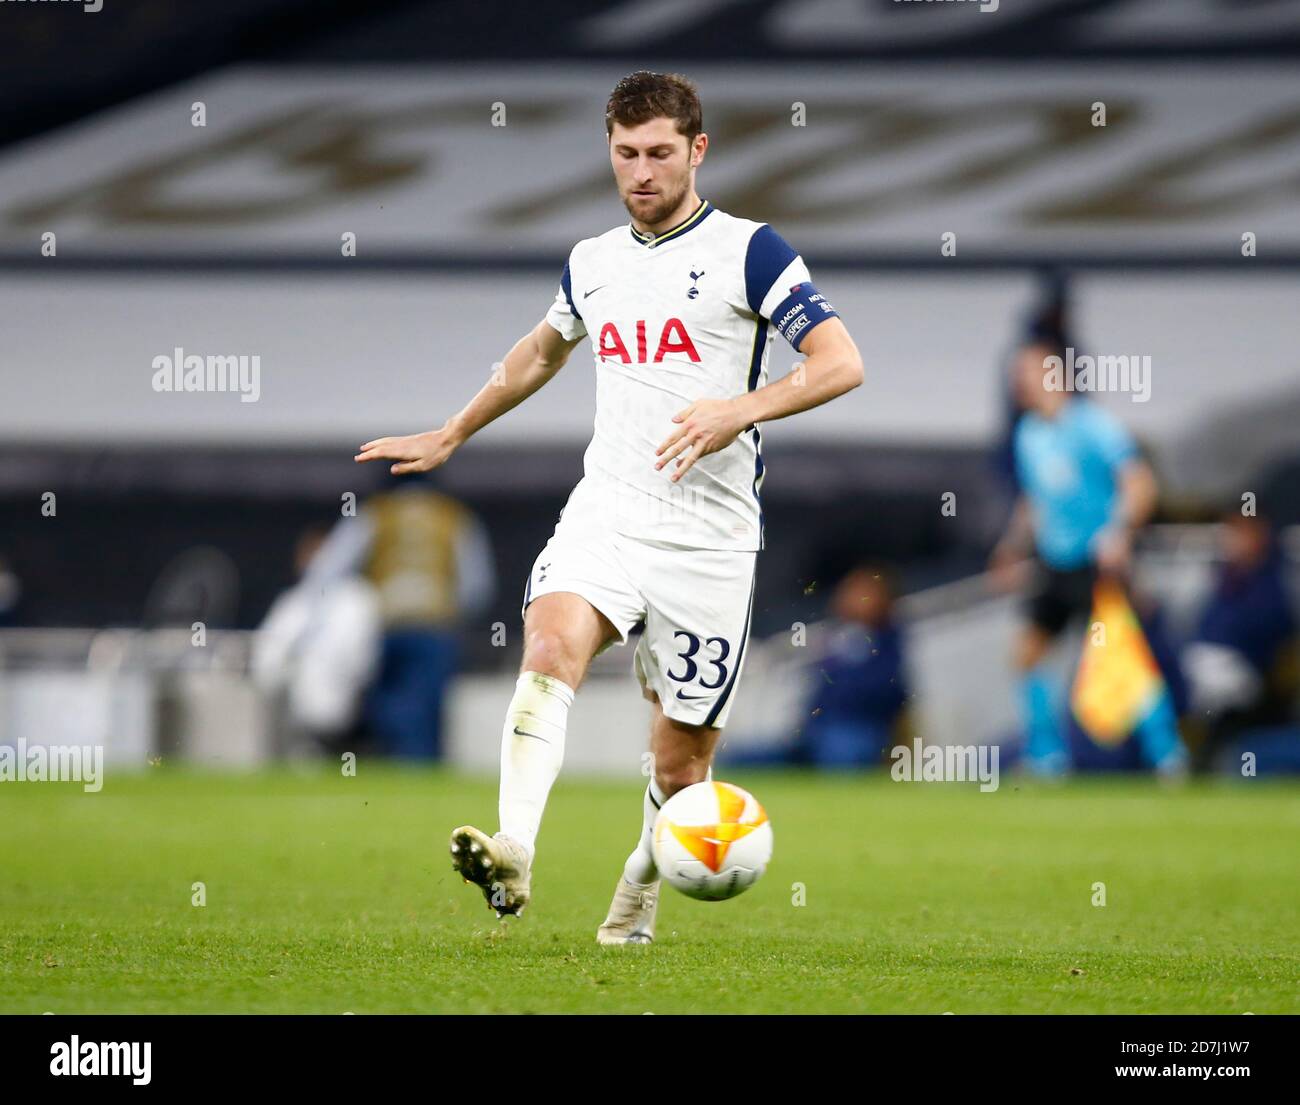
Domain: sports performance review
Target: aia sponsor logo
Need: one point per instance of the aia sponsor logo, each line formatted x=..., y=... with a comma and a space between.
x=673, y=338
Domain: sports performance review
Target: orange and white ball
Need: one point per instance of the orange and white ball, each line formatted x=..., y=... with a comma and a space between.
x=712, y=841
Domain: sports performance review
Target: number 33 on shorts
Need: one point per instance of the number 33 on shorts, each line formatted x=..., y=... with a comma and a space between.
x=695, y=674
x=691, y=672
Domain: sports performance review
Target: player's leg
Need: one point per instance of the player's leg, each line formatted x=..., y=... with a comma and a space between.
x=689, y=662
x=579, y=599
x=1055, y=598
x=1159, y=741
x=562, y=632
x=1039, y=702
x=681, y=755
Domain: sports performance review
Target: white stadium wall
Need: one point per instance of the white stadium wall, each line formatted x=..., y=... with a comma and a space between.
x=343, y=360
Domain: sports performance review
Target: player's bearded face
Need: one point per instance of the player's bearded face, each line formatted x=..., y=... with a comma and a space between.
x=667, y=195
x=653, y=169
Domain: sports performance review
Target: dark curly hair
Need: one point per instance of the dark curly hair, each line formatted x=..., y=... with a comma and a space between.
x=642, y=96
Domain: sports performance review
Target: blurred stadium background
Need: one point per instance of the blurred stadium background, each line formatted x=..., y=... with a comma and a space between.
x=145, y=536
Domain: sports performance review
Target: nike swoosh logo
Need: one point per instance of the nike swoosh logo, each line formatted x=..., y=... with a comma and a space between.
x=594, y=290
x=687, y=697
x=533, y=735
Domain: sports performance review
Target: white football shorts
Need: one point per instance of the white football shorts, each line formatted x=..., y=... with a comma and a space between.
x=696, y=605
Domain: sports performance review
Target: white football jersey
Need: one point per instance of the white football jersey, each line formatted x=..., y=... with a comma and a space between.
x=684, y=315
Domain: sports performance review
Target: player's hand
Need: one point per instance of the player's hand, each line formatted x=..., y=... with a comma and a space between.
x=704, y=427
x=413, y=453
x=1008, y=567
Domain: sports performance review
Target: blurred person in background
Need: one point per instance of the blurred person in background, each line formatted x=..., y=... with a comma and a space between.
x=318, y=649
x=858, y=689
x=1084, y=493
x=1237, y=658
x=1045, y=327
x=430, y=561
x=426, y=560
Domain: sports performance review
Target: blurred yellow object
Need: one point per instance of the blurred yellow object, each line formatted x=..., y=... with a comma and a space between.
x=413, y=561
x=1118, y=680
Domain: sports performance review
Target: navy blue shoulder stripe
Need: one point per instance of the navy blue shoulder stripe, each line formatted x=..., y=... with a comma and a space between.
x=767, y=257
x=566, y=282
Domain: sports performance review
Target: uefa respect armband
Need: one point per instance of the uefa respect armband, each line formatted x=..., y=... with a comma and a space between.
x=800, y=311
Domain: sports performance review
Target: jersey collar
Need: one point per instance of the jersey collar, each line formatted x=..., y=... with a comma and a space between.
x=694, y=220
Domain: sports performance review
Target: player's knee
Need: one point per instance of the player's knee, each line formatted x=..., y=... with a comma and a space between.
x=677, y=773
x=549, y=652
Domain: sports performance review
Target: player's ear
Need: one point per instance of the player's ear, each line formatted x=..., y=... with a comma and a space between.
x=698, y=147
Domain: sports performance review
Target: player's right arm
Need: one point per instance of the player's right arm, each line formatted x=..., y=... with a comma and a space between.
x=535, y=358
x=1007, y=561
x=1136, y=492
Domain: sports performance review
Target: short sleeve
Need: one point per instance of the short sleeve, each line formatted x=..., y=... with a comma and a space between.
x=778, y=287
x=1111, y=436
x=563, y=315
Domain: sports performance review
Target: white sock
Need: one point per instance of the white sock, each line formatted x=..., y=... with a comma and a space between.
x=640, y=866
x=531, y=758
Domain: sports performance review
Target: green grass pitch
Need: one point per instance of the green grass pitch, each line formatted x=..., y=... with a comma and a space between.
x=329, y=894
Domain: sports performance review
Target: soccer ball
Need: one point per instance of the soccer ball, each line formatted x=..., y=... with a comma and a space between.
x=712, y=841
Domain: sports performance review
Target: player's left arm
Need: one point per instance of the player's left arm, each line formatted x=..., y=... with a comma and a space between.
x=1136, y=499
x=832, y=367
x=1136, y=490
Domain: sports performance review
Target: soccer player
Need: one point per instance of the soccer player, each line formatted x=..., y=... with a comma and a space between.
x=663, y=529
x=1085, y=492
